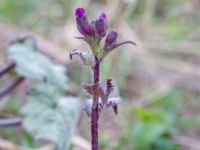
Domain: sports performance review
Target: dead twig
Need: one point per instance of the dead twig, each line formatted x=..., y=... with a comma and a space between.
x=11, y=86
x=6, y=69
x=10, y=122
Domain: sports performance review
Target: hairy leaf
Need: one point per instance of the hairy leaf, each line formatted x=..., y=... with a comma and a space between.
x=32, y=64
x=48, y=114
x=49, y=117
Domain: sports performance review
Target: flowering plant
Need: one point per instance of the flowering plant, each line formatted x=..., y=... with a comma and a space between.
x=93, y=33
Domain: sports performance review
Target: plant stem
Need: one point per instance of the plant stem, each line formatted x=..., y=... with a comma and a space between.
x=95, y=110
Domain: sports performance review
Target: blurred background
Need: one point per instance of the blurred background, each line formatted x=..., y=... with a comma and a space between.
x=158, y=80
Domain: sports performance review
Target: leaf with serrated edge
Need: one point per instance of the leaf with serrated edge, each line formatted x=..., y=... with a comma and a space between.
x=51, y=122
x=32, y=64
x=107, y=88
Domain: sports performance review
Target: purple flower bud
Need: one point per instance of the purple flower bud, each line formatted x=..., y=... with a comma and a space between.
x=103, y=16
x=80, y=12
x=111, y=37
x=83, y=24
x=101, y=25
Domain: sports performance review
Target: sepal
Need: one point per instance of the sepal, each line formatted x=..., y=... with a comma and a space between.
x=111, y=102
x=109, y=48
x=87, y=57
x=123, y=43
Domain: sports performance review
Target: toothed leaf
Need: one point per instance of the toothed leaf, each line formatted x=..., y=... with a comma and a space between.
x=107, y=88
x=49, y=117
x=33, y=65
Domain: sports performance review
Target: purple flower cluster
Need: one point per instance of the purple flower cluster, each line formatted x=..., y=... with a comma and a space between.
x=93, y=32
x=97, y=27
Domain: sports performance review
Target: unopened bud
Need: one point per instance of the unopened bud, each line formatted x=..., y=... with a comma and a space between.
x=101, y=25
x=83, y=24
x=111, y=37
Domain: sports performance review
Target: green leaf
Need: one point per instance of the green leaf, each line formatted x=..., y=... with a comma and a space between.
x=152, y=124
x=32, y=64
x=145, y=133
x=153, y=114
x=51, y=120
x=47, y=115
x=165, y=144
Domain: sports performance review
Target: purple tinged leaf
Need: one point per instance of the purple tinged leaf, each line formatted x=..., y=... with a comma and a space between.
x=107, y=88
x=103, y=89
x=91, y=88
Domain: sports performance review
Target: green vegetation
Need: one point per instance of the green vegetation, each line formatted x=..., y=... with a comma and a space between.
x=160, y=92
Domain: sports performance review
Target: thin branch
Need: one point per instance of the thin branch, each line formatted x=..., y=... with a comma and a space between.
x=10, y=122
x=11, y=86
x=6, y=69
